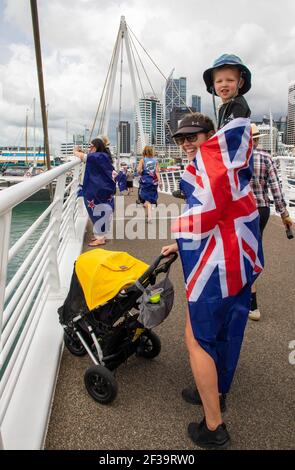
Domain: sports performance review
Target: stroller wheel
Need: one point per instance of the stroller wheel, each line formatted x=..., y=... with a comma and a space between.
x=100, y=384
x=74, y=345
x=149, y=345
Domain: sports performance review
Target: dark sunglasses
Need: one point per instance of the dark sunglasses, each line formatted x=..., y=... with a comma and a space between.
x=179, y=140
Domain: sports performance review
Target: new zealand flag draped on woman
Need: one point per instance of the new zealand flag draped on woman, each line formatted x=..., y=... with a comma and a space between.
x=98, y=190
x=220, y=245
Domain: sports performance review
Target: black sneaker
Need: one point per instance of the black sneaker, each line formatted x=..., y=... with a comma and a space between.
x=178, y=194
x=191, y=395
x=203, y=437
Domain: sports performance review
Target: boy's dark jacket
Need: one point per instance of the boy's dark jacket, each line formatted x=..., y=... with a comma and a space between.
x=236, y=107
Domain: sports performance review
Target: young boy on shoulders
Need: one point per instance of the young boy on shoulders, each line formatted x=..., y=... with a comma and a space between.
x=229, y=79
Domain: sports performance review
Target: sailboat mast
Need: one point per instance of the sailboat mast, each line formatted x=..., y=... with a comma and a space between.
x=34, y=12
x=271, y=134
x=26, y=137
x=34, y=130
x=67, y=139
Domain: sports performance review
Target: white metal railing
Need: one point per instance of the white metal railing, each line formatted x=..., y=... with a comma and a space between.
x=286, y=173
x=28, y=303
x=170, y=181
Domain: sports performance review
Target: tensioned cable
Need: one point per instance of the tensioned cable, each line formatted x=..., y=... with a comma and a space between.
x=132, y=52
x=98, y=108
x=133, y=44
x=166, y=79
x=108, y=89
x=103, y=90
x=147, y=53
x=104, y=107
x=148, y=79
x=166, y=123
x=131, y=47
x=108, y=92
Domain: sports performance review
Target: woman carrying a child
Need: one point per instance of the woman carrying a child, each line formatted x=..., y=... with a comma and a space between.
x=218, y=278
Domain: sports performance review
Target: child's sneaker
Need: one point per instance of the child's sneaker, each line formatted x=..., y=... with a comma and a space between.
x=203, y=437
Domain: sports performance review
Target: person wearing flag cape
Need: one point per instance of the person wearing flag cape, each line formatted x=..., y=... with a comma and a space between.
x=121, y=179
x=98, y=189
x=149, y=170
x=219, y=242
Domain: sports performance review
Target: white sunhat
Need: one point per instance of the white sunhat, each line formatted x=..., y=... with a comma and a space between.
x=256, y=132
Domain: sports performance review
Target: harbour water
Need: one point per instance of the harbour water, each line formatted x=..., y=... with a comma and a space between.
x=23, y=216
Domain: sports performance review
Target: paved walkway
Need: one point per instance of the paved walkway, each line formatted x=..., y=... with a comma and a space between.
x=149, y=413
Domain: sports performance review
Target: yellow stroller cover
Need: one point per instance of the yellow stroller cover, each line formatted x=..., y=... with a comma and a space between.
x=102, y=274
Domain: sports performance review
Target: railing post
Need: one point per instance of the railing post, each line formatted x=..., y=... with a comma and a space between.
x=5, y=223
x=167, y=183
x=56, y=215
x=80, y=176
x=163, y=183
x=284, y=178
x=72, y=204
x=174, y=182
x=79, y=204
x=1, y=441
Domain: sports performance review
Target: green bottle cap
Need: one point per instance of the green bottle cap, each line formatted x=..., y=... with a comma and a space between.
x=154, y=299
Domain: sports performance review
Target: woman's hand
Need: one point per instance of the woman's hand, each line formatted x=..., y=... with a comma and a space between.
x=169, y=249
x=79, y=153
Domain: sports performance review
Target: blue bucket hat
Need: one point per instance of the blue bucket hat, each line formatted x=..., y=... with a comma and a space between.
x=228, y=59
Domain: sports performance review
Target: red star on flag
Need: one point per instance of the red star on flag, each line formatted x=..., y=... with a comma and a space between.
x=91, y=204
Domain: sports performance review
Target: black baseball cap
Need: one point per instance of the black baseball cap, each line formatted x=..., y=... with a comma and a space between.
x=193, y=125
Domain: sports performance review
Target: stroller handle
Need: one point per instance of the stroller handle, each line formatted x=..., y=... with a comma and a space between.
x=162, y=269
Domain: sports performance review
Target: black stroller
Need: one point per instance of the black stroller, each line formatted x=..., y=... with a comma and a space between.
x=121, y=326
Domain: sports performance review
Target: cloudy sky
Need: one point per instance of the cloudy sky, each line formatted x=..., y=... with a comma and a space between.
x=78, y=37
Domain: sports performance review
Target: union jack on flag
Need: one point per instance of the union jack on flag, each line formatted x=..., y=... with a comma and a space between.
x=218, y=234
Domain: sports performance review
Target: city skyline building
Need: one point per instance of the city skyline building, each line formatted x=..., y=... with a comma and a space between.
x=123, y=132
x=81, y=140
x=176, y=115
x=152, y=116
x=196, y=103
x=265, y=141
x=291, y=115
x=281, y=125
x=175, y=94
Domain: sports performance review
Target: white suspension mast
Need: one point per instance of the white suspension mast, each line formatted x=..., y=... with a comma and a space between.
x=120, y=112
x=112, y=79
x=123, y=35
x=133, y=83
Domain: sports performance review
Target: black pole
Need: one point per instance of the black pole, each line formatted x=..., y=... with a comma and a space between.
x=34, y=12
